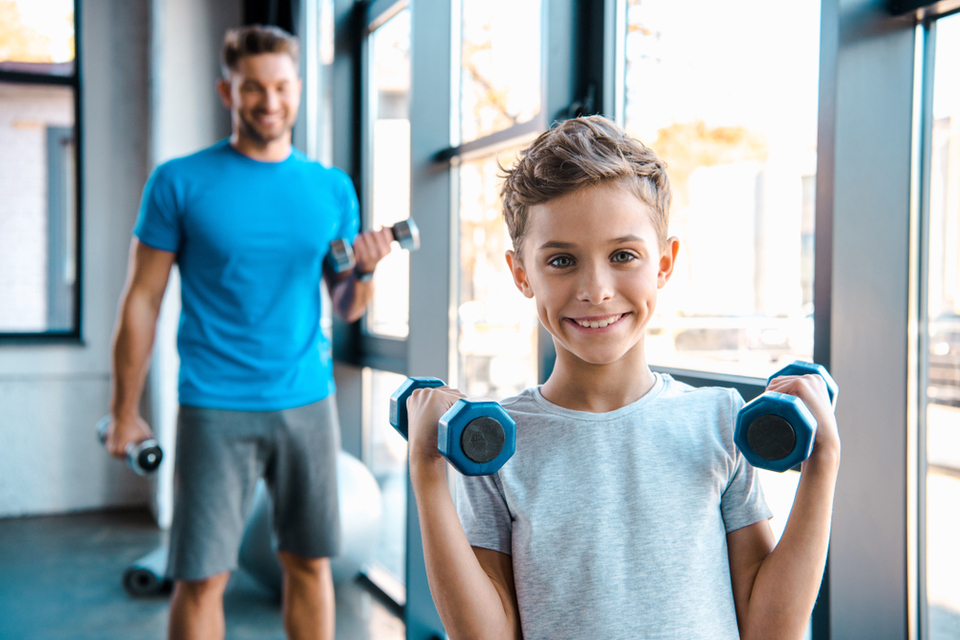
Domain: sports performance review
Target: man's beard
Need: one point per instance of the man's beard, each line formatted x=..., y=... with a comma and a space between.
x=250, y=131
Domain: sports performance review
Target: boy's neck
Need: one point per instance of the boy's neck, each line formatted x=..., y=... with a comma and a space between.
x=581, y=386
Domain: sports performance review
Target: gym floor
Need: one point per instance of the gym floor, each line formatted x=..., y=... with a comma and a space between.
x=60, y=579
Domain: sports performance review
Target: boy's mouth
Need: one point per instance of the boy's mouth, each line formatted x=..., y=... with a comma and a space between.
x=597, y=323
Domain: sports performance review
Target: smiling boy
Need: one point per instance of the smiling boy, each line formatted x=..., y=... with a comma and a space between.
x=627, y=511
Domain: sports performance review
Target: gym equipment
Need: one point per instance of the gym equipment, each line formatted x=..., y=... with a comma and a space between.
x=360, y=511
x=405, y=233
x=775, y=431
x=476, y=436
x=143, y=457
x=147, y=576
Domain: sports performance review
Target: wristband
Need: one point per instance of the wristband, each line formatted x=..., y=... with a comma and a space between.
x=363, y=277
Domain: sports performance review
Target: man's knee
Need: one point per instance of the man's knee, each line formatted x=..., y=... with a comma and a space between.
x=203, y=590
x=295, y=566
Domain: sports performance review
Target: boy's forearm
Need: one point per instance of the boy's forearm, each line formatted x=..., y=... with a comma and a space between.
x=788, y=580
x=469, y=604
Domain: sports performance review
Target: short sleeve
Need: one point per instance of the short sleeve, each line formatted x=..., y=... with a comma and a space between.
x=158, y=222
x=349, y=222
x=484, y=513
x=742, y=503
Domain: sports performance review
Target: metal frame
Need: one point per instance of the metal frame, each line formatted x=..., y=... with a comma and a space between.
x=75, y=81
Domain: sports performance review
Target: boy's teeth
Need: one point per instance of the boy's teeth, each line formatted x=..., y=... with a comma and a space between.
x=597, y=324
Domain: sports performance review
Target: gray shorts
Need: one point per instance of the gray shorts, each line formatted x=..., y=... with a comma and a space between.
x=221, y=454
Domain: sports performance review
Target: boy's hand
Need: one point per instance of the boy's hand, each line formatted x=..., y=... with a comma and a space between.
x=425, y=407
x=812, y=390
x=122, y=432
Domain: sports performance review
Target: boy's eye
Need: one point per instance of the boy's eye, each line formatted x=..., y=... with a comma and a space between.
x=623, y=256
x=561, y=261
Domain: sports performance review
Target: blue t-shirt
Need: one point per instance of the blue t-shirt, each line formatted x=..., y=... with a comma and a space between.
x=250, y=239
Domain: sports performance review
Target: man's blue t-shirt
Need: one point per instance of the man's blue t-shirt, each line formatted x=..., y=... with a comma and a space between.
x=250, y=239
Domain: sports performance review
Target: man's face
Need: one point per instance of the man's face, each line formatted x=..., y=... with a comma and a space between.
x=593, y=262
x=263, y=95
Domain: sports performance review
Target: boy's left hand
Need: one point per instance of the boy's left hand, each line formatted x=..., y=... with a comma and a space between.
x=812, y=390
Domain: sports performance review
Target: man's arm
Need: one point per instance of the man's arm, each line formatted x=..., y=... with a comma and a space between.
x=472, y=588
x=147, y=275
x=775, y=588
x=349, y=295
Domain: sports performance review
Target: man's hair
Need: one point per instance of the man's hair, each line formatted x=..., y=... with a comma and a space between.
x=580, y=153
x=253, y=40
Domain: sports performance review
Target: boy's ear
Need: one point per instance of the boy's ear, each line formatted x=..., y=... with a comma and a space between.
x=519, y=274
x=668, y=259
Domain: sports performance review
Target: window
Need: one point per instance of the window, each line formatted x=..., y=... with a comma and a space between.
x=731, y=105
x=941, y=364
x=497, y=326
x=39, y=98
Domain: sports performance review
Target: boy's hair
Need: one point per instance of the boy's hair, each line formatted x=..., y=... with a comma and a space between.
x=579, y=153
x=253, y=40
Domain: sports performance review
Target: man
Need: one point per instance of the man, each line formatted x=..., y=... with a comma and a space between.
x=249, y=222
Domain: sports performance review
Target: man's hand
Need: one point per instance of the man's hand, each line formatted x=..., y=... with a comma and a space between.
x=122, y=432
x=370, y=247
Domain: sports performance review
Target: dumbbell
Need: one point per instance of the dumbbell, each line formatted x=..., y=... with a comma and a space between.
x=143, y=457
x=476, y=436
x=405, y=233
x=776, y=431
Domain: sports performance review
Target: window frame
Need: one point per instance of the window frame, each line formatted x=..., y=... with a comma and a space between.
x=74, y=335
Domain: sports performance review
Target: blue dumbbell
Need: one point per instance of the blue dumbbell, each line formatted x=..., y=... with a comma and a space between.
x=143, y=457
x=476, y=436
x=775, y=431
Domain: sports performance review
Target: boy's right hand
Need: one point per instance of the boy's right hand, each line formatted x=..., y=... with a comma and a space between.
x=123, y=431
x=425, y=407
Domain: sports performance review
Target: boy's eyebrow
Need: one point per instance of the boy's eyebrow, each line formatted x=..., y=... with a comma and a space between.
x=556, y=244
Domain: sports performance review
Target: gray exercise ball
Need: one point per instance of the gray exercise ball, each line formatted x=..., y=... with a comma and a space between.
x=360, y=510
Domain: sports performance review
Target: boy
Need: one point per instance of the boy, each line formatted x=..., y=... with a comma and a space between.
x=627, y=511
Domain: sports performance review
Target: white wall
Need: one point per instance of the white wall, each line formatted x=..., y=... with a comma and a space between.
x=148, y=68
x=52, y=395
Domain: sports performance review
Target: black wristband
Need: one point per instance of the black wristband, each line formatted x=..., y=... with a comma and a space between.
x=363, y=277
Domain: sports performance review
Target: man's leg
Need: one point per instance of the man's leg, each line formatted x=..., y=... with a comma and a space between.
x=196, y=609
x=308, y=602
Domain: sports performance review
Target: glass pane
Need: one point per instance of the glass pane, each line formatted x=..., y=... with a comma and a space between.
x=500, y=59
x=37, y=211
x=389, y=158
x=37, y=36
x=730, y=102
x=498, y=326
x=943, y=334
x=385, y=453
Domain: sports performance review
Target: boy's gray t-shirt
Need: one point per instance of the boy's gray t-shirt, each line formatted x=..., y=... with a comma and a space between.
x=617, y=522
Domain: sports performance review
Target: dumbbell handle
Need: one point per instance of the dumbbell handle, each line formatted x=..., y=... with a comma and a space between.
x=143, y=457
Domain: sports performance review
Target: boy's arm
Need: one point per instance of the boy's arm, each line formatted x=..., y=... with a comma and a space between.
x=472, y=588
x=775, y=588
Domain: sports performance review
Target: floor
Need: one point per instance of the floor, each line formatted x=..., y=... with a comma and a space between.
x=60, y=578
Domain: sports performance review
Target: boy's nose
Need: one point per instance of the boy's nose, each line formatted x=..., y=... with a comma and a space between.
x=596, y=284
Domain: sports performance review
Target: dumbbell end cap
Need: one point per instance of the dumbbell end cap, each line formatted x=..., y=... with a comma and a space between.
x=398, y=401
x=407, y=234
x=458, y=419
x=146, y=457
x=792, y=410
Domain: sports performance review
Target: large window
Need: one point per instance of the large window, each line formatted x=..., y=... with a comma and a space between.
x=39, y=261
x=730, y=102
x=941, y=367
x=497, y=325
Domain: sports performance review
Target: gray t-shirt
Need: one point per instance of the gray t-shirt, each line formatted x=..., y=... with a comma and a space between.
x=617, y=522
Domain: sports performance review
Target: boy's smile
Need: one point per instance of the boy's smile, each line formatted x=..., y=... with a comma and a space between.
x=593, y=262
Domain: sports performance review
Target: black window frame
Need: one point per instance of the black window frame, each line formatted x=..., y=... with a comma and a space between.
x=74, y=81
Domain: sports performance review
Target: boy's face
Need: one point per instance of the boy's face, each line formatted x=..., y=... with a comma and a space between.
x=592, y=261
x=263, y=95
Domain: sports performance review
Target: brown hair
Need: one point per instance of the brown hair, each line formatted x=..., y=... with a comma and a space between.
x=253, y=40
x=579, y=153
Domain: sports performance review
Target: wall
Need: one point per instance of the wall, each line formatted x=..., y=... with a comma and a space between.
x=52, y=395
